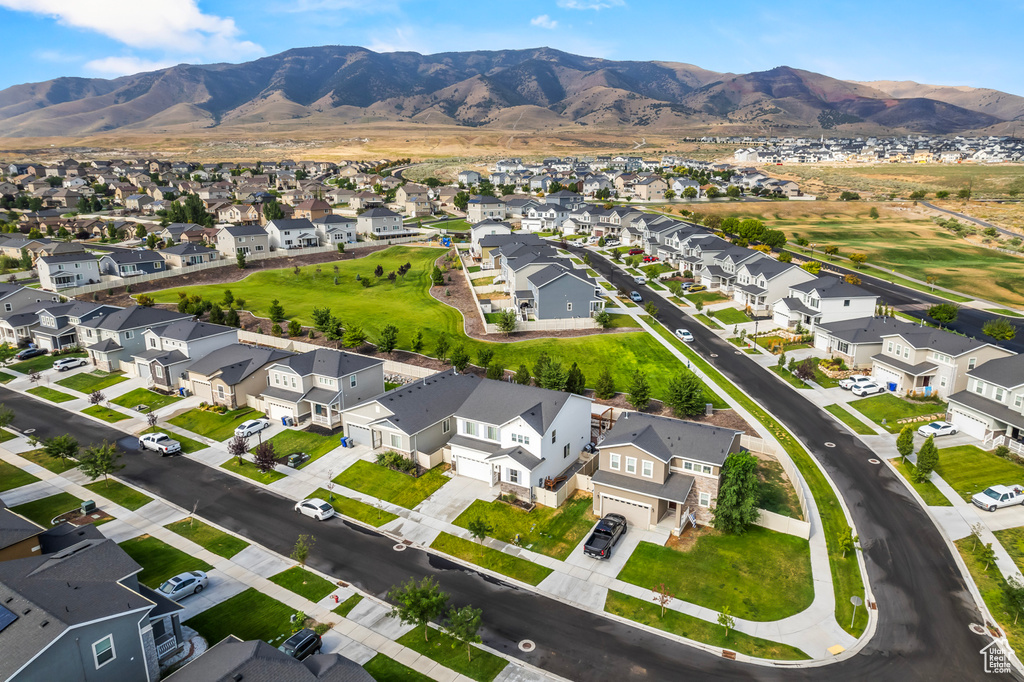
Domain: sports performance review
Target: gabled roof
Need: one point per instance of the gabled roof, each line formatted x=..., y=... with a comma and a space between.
x=144, y=256
x=134, y=317
x=938, y=340
x=190, y=330
x=498, y=402
x=826, y=286
x=187, y=249
x=67, y=257
x=379, y=213
x=329, y=362
x=526, y=238
x=291, y=224
x=244, y=230
x=236, y=362
x=422, y=403
x=865, y=329
x=666, y=438
x=1007, y=372
x=550, y=273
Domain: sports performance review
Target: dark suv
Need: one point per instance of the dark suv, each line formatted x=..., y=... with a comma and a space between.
x=303, y=643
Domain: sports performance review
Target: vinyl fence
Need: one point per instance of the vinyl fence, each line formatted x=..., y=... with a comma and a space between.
x=770, y=520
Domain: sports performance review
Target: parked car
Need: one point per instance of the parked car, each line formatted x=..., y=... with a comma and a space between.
x=868, y=388
x=687, y=286
x=159, y=442
x=938, y=429
x=611, y=242
x=684, y=334
x=641, y=280
x=65, y=364
x=635, y=252
x=636, y=297
x=998, y=496
x=604, y=536
x=251, y=427
x=697, y=287
x=26, y=353
x=303, y=643
x=650, y=259
x=184, y=584
x=315, y=508
x=849, y=382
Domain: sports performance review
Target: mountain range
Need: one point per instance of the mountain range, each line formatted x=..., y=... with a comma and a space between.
x=510, y=89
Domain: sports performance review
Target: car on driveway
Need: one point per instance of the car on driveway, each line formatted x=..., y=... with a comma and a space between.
x=635, y=252
x=184, y=584
x=636, y=297
x=868, y=388
x=26, y=353
x=998, y=496
x=684, y=334
x=251, y=427
x=64, y=364
x=605, y=535
x=697, y=287
x=938, y=429
x=159, y=442
x=315, y=508
x=849, y=382
x=302, y=644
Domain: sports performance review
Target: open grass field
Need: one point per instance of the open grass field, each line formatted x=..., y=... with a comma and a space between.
x=969, y=469
x=386, y=484
x=45, y=509
x=554, y=532
x=491, y=559
x=160, y=561
x=208, y=537
x=904, y=178
x=265, y=618
x=12, y=477
x=119, y=493
x=87, y=382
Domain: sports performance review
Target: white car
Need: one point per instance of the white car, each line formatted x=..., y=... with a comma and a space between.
x=69, y=363
x=856, y=380
x=938, y=429
x=251, y=427
x=684, y=334
x=868, y=388
x=315, y=508
x=184, y=584
x=998, y=496
x=159, y=442
x=640, y=280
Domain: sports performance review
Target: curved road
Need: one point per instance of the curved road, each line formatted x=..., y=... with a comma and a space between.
x=970, y=219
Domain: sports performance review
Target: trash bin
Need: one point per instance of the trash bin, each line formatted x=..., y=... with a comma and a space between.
x=181, y=391
x=344, y=442
x=892, y=386
x=284, y=421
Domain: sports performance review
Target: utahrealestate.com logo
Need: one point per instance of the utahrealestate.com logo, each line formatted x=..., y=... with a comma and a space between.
x=995, y=660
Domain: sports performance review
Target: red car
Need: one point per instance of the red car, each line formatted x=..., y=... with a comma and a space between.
x=633, y=252
x=650, y=259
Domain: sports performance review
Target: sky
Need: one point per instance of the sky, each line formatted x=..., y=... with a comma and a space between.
x=940, y=42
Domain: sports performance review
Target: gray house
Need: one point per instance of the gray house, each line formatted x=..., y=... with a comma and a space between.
x=118, y=336
x=246, y=239
x=131, y=263
x=991, y=407
x=185, y=254
x=556, y=292
x=64, y=270
x=173, y=348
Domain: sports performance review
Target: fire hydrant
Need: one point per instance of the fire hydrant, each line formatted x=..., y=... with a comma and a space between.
x=336, y=600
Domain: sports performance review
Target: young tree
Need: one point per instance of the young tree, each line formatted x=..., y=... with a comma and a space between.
x=62, y=447
x=685, y=394
x=6, y=416
x=238, y=446
x=812, y=266
x=388, y=338
x=507, y=321
x=1014, y=595
x=522, y=376
x=354, y=337
x=303, y=544
x=152, y=419
x=604, y=388
x=663, y=597
x=726, y=621
x=846, y=540
x=495, y=371
x=240, y=260
x=805, y=370
x=479, y=528
x=944, y=313
x=1000, y=329
x=651, y=309
x=35, y=376
x=418, y=603
x=464, y=625
x=460, y=358
x=639, y=391
x=927, y=459
x=554, y=377
x=216, y=314
x=437, y=277
x=378, y=271
x=441, y=347
x=264, y=457
x=231, y=318
x=335, y=330
x=987, y=555
x=736, y=509
x=276, y=330
x=96, y=397
x=294, y=328
x=417, y=341
x=976, y=531
x=484, y=355
x=905, y=442
x=100, y=460
x=276, y=311
x=858, y=259
x=321, y=318
x=785, y=257
x=575, y=381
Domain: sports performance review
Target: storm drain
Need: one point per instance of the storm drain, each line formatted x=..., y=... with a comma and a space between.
x=400, y=547
x=527, y=645
x=978, y=629
x=829, y=444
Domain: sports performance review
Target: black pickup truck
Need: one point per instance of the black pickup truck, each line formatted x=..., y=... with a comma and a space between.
x=606, y=533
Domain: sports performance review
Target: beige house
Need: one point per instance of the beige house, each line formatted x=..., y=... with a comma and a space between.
x=651, y=189
x=229, y=375
x=239, y=214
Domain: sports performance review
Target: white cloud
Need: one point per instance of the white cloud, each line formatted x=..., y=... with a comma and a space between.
x=590, y=4
x=123, y=66
x=544, y=21
x=404, y=39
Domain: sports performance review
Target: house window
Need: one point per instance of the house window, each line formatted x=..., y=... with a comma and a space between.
x=513, y=475
x=999, y=395
x=647, y=468
x=1018, y=401
x=152, y=343
x=293, y=382
x=705, y=469
x=103, y=651
x=888, y=348
x=396, y=440
x=446, y=425
x=277, y=379
x=129, y=334
x=565, y=451
x=157, y=265
x=942, y=382
x=259, y=247
x=470, y=428
x=631, y=465
x=492, y=433
x=614, y=461
x=553, y=432
x=158, y=371
x=687, y=466
x=979, y=387
x=971, y=362
x=846, y=303
x=704, y=499
x=906, y=352
x=7, y=307
x=352, y=381
x=220, y=392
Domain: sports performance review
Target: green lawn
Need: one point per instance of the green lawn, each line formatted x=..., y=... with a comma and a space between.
x=345, y=607
x=649, y=613
x=392, y=486
x=621, y=320
x=1012, y=540
x=931, y=495
x=355, y=509
x=706, y=297
x=857, y=425
x=160, y=561
x=769, y=342
x=450, y=653
x=384, y=669
x=47, y=393
x=452, y=225
x=5, y=377
x=248, y=469
x=554, y=532
x=1002, y=311
x=13, y=477
x=970, y=470
x=760, y=575
x=264, y=618
x=217, y=541
x=731, y=316
x=788, y=377
x=105, y=413
x=42, y=362
x=188, y=445
x=820, y=378
x=492, y=559
x=144, y=396
x=43, y=510
x=606, y=285
x=87, y=382
x=54, y=464
x=483, y=282
x=313, y=444
x=992, y=586
x=707, y=321
x=119, y=493
x=890, y=408
x=6, y=435
x=303, y=583
x=777, y=493
x=214, y=426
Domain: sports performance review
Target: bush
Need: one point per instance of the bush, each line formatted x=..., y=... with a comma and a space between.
x=394, y=460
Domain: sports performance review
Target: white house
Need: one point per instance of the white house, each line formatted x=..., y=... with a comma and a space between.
x=64, y=270
x=292, y=233
x=822, y=300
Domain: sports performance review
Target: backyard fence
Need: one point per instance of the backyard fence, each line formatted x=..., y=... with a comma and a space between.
x=769, y=519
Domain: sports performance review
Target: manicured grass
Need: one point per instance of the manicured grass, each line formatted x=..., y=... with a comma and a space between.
x=87, y=382
x=788, y=377
x=43, y=510
x=554, y=532
x=491, y=559
x=48, y=393
x=392, y=486
x=144, y=396
x=649, y=613
x=1012, y=540
x=452, y=225
x=890, y=408
x=931, y=495
x=1003, y=311
x=313, y=444
x=345, y=607
x=303, y=583
x=992, y=587
x=12, y=477
x=707, y=321
x=119, y=493
x=706, y=297
x=248, y=469
x=606, y=285
x=54, y=464
x=620, y=320
x=473, y=268
x=970, y=470
x=769, y=342
x=43, y=362
x=760, y=575
x=264, y=618
x=6, y=435
x=355, y=509
x=5, y=377
x=483, y=281
x=777, y=493
x=388, y=386
x=731, y=316
x=217, y=541
x=384, y=669
x=188, y=445
x=159, y=560
x=214, y=426
x=857, y=425
x=451, y=653
x=105, y=413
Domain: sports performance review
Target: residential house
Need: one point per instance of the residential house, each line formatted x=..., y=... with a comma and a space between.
x=485, y=228
x=172, y=233
x=136, y=202
x=247, y=239
x=823, y=300
x=239, y=214
x=650, y=189
x=15, y=296
x=57, y=326
x=544, y=218
x=651, y=467
x=557, y=292
x=482, y=208
x=856, y=341
x=381, y=223
x=117, y=336
x=469, y=178
x=335, y=229
x=365, y=200
x=992, y=404
x=170, y=350
x=293, y=233
x=490, y=246
x=131, y=263
x=66, y=270
x=759, y=282
x=230, y=375
x=187, y=253
x=311, y=209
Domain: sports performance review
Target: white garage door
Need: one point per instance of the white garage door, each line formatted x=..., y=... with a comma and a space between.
x=887, y=376
x=359, y=434
x=472, y=468
x=203, y=390
x=969, y=424
x=275, y=411
x=636, y=513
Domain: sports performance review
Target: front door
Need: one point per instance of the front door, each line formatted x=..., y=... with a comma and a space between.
x=376, y=438
x=496, y=474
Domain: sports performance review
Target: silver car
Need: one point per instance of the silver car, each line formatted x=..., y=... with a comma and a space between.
x=315, y=508
x=253, y=426
x=184, y=584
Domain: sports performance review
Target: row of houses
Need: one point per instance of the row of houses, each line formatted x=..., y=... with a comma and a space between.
x=909, y=149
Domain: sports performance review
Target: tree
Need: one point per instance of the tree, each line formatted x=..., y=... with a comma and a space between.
x=927, y=459
x=726, y=621
x=100, y=460
x=441, y=347
x=732, y=191
x=437, y=277
x=507, y=321
x=464, y=626
x=944, y=313
x=845, y=540
x=805, y=370
x=240, y=260
x=858, y=259
x=459, y=358
x=987, y=555
x=35, y=376
x=417, y=341
x=604, y=388
x=522, y=376
x=276, y=330
x=321, y=318
x=495, y=371
x=216, y=314
x=62, y=447
x=264, y=457
x=831, y=250
x=670, y=194
x=461, y=200
x=417, y=603
x=484, y=356
x=942, y=194
x=378, y=271
x=294, y=328
x=388, y=338
x=812, y=266
x=552, y=377
x=303, y=544
x=1000, y=329
x=964, y=193
x=712, y=192
x=96, y=397
x=354, y=336
x=663, y=597
x=849, y=196
x=639, y=391
x=873, y=213
x=852, y=279
x=575, y=381
x=785, y=257
x=238, y=446
x=272, y=210
x=905, y=442
x=231, y=318
x=775, y=239
x=1014, y=591
x=685, y=394
x=736, y=509
x=690, y=192
x=276, y=311
x=651, y=309
x=479, y=528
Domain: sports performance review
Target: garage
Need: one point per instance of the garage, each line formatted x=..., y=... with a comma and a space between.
x=636, y=513
x=142, y=370
x=472, y=468
x=277, y=410
x=203, y=390
x=358, y=434
x=886, y=376
x=968, y=423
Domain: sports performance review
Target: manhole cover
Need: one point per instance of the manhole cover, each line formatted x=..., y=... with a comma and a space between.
x=527, y=645
x=829, y=444
x=874, y=461
x=28, y=431
x=978, y=629
x=399, y=547
x=737, y=352
x=714, y=355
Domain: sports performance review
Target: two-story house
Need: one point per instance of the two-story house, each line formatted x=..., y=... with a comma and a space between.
x=239, y=214
x=320, y=384
x=482, y=208
x=15, y=296
x=292, y=233
x=230, y=375
x=490, y=246
x=856, y=341
x=186, y=254
x=544, y=218
x=823, y=300
x=170, y=350
x=469, y=177
x=172, y=233
x=654, y=466
x=759, y=282
x=131, y=263
x=57, y=326
x=517, y=261
x=381, y=223
x=311, y=209
x=557, y=292
x=66, y=270
x=335, y=229
x=118, y=336
x=992, y=404
x=247, y=239
x=485, y=228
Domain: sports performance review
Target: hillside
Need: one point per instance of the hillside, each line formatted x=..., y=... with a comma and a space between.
x=524, y=88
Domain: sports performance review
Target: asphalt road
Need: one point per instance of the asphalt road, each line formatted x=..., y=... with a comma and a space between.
x=970, y=219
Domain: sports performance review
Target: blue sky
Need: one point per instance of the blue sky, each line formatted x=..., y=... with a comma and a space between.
x=940, y=42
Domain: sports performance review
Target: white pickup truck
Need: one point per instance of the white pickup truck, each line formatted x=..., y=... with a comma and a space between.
x=159, y=442
x=998, y=496
x=855, y=380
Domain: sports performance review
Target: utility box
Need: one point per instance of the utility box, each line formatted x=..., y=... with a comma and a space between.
x=88, y=506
